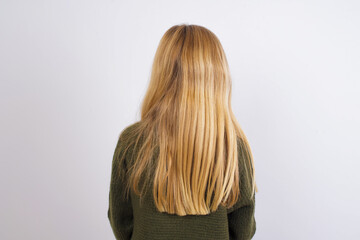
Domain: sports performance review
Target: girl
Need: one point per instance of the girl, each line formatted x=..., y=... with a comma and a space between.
x=185, y=170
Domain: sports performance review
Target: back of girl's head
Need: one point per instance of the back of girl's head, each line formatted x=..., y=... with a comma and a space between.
x=189, y=62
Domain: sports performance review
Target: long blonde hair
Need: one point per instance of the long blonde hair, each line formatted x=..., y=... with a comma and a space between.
x=189, y=134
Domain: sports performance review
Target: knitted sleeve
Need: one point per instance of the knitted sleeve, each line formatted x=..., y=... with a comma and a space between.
x=120, y=211
x=241, y=217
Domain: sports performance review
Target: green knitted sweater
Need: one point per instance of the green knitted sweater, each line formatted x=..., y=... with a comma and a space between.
x=130, y=220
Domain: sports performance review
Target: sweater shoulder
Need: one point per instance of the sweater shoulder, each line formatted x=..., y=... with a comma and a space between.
x=129, y=131
x=127, y=139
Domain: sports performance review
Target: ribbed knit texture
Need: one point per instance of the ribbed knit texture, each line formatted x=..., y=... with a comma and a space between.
x=130, y=220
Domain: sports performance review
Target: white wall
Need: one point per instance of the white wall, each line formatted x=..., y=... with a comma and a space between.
x=73, y=74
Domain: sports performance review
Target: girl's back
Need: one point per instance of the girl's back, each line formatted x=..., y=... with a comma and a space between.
x=133, y=220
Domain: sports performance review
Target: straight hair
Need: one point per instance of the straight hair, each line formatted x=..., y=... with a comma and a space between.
x=189, y=134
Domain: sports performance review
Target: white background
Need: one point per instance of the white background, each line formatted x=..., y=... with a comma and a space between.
x=73, y=75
